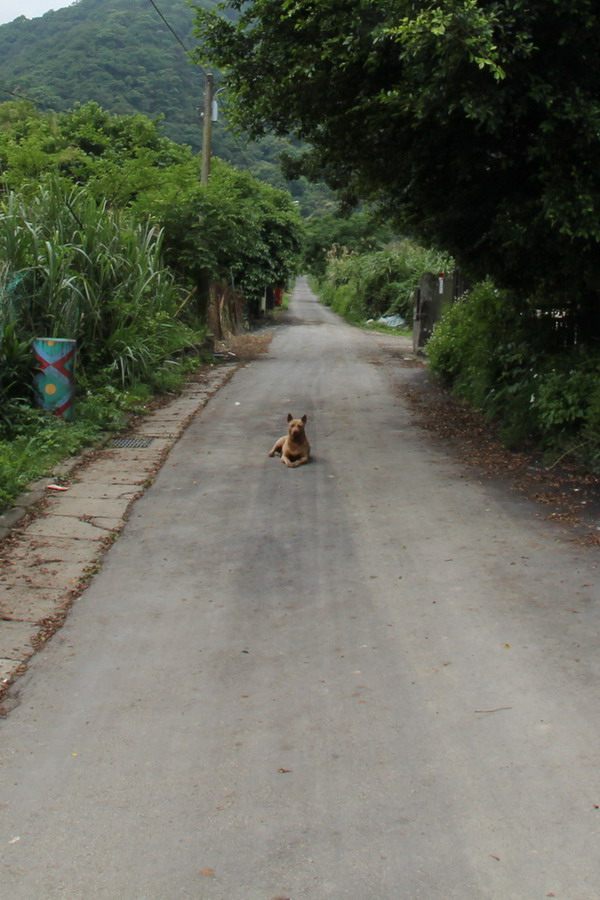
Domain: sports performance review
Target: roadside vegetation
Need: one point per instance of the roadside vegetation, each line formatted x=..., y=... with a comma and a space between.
x=108, y=238
x=364, y=287
x=517, y=364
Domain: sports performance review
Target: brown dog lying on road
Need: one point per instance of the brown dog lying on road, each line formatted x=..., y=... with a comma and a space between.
x=293, y=446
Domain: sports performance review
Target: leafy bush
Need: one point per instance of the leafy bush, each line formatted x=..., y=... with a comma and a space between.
x=496, y=356
x=362, y=286
x=359, y=233
x=233, y=229
x=480, y=349
x=16, y=364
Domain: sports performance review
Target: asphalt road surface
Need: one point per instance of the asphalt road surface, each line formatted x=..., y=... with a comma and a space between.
x=372, y=677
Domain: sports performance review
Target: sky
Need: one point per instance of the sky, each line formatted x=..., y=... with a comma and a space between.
x=11, y=9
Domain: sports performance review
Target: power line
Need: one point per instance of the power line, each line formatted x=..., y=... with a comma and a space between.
x=173, y=32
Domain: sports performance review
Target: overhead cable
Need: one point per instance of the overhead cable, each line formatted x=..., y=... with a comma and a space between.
x=173, y=32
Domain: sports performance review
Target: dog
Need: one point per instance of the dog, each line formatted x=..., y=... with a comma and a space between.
x=293, y=446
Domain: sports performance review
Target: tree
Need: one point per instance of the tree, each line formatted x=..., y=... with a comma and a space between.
x=115, y=156
x=475, y=124
x=358, y=232
x=234, y=229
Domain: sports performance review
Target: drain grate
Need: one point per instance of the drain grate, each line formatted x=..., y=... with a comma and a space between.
x=136, y=443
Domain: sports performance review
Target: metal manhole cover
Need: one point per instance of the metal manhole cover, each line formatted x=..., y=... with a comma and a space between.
x=136, y=443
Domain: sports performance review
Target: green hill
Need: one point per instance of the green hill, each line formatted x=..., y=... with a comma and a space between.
x=122, y=55
x=119, y=53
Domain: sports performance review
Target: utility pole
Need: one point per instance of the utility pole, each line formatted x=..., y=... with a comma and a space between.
x=207, y=128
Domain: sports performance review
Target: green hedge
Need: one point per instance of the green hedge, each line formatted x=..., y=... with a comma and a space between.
x=502, y=359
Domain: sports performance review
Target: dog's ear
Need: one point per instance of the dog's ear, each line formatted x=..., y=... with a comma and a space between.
x=304, y=419
x=290, y=417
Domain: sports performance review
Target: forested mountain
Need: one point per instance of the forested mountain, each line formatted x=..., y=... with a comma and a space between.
x=122, y=54
x=119, y=53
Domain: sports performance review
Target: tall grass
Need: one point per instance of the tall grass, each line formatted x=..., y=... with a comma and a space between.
x=76, y=269
x=361, y=286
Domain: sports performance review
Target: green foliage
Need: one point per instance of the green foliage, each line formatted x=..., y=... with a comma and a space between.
x=77, y=270
x=359, y=232
x=16, y=375
x=16, y=364
x=474, y=125
x=34, y=442
x=494, y=355
x=361, y=286
x=464, y=342
x=480, y=349
x=121, y=56
x=233, y=229
x=115, y=156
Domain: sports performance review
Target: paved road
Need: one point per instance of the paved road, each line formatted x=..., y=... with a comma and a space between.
x=372, y=677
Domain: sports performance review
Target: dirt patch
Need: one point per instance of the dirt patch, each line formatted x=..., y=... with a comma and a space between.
x=565, y=492
x=245, y=347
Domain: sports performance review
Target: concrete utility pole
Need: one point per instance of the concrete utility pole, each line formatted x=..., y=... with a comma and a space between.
x=207, y=129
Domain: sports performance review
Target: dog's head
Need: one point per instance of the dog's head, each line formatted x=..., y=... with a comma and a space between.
x=296, y=426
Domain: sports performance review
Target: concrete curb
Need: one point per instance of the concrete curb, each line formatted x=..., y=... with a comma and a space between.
x=52, y=543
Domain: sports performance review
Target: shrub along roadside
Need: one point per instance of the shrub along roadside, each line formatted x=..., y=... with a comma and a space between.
x=362, y=286
x=233, y=230
x=505, y=359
